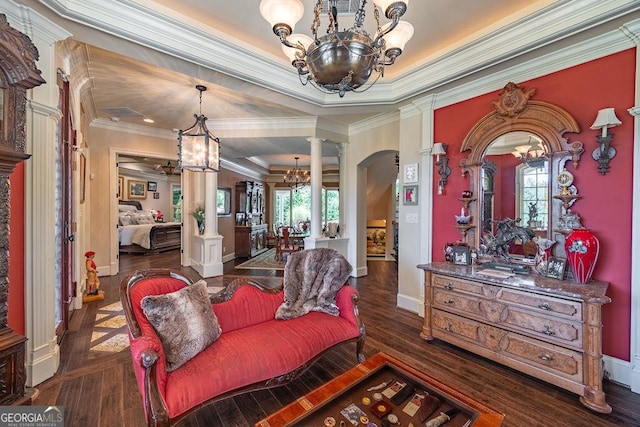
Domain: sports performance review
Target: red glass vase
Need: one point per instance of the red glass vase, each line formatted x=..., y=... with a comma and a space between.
x=582, y=249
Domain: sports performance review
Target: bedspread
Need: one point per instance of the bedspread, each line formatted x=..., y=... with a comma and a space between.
x=139, y=234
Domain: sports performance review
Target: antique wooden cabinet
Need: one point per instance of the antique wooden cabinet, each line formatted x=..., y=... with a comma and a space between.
x=251, y=231
x=18, y=73
x=550, y=329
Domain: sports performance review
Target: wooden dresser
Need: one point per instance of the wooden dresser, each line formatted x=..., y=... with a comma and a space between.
x=550, y=329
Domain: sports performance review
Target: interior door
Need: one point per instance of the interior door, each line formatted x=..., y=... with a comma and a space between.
x=66, y=146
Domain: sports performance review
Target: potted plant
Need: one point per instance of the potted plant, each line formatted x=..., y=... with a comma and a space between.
x=198, y=214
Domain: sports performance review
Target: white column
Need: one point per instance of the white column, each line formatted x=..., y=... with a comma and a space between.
x=342, y=158
x=206, y=249
x=316, y=187
x=633, y=32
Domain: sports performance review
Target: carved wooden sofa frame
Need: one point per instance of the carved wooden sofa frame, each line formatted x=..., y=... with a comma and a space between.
x=155, y=410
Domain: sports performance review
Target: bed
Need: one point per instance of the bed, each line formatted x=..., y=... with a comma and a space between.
x=139, y=233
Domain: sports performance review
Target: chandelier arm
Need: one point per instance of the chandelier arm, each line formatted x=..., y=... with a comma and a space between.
x=381, y=34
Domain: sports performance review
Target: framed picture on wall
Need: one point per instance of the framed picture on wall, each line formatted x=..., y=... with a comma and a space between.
x=410, y=173
x=410, y=194
x=152, y=186
x=120, y=188
x=136, y=189
x=156, y=195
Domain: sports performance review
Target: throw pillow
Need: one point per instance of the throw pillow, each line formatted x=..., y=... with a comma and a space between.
x=184, y=321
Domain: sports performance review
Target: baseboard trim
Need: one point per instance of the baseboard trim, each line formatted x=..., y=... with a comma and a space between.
x=412, y=304
x=620, y=371
x=229, y=257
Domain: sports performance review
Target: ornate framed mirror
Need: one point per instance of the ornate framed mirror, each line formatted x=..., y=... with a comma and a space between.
x=516, y=153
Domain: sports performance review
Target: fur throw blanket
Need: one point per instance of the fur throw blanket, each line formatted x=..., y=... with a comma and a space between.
x=312, y=278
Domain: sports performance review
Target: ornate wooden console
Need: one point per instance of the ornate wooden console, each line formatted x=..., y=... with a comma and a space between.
x=550, y=329
x=18, y=73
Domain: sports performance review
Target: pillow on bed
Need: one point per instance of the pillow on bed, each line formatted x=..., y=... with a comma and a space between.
x=126, y=208
x=125, y=218
x=143, y=218
x=184, y=321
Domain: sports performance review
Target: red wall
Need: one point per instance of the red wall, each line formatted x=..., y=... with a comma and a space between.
x=606, y=203
x=16, y=251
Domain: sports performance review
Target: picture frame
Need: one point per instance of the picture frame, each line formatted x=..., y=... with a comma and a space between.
x=410, y=173
x=556, y=267
x=156, y=195
x=152, y=186
x=136, y=189
x=120, y=187
x=410, y=195
x=223, y=201
x=461, y=255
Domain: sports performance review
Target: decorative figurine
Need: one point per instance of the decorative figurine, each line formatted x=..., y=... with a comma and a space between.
x=93, y=282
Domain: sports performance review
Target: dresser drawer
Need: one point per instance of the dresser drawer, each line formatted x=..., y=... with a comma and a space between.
x=511, y=345
x=548, y=328
x=466, y=286
x=542, y=303
x=552, y=358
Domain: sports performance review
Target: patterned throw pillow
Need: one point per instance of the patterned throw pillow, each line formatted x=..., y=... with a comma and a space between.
x=184, y=321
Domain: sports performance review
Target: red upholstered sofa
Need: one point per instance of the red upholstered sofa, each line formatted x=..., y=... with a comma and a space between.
x=254, y=350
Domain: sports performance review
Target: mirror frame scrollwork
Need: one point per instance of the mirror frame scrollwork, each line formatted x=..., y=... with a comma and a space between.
x=514, y=111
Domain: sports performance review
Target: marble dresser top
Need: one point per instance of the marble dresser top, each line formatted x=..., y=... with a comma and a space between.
x=594, y=291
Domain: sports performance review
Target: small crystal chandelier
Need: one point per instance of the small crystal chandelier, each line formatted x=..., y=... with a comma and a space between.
x=296, y=177
x=198, y=149
x=532, y=154
x=339, y=61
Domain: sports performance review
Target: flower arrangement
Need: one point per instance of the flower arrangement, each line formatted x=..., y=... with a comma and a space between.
x=198, y=214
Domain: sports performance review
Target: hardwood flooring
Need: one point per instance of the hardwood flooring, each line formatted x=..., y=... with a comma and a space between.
x=98, y=388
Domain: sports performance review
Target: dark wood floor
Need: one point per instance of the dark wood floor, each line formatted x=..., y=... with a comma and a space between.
x=98, y=388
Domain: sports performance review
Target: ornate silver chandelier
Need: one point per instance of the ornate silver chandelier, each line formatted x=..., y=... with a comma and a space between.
x=340, y=60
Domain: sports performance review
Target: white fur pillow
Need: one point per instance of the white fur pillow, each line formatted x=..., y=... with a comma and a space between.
x=184, y=321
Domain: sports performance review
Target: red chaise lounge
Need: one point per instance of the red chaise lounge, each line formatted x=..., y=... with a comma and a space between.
x=253, y=351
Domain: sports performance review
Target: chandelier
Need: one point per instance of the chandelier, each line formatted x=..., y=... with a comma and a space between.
x=169, y=168
x=532, y=154
x=340, y=60
x=198, y=149
x=297, y=177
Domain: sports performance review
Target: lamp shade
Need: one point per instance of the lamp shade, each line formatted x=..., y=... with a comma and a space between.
x=197, y=148
x=384, y=4
x=606, y=118
x=399, y=36
x=286, y=12
x=438, y=149
x=295, y=39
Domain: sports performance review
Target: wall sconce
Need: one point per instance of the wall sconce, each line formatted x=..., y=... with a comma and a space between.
x=605, y=152
x=442, y=161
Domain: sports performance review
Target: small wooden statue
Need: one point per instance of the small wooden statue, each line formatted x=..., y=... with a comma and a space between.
x=93, y=282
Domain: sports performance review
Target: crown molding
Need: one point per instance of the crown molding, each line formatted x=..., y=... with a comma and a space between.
x=33, y=24
x=179, y=36
x=133, y=129
x=576, y=54
x=374, y=122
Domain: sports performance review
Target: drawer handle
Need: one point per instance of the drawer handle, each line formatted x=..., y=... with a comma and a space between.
x=547, y=330
x=449, y=301
x=449, y=286
x=546, y=358
x=448, y=327
x=544, y=306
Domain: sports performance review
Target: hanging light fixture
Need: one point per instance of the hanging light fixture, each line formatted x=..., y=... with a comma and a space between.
x=198, y=149
x=339, y=61
x=296, y=177
x=532, y=154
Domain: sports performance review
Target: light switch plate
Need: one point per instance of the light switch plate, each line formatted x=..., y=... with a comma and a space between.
x=411, y=218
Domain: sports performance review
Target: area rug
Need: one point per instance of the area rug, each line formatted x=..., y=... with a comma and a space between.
x=264, y=261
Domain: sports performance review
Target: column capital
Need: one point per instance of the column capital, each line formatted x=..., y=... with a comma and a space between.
x=634, y=111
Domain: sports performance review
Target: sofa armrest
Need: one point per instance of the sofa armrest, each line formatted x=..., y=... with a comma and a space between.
x=347, y=301
x=150, y=370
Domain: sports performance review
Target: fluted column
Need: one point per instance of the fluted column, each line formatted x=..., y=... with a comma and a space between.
x=210, y=208
x=342, y=189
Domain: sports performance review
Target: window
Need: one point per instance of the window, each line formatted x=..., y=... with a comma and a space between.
x=532, y=190
x=176, y=203
x=292, y=207
x=223, y=201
